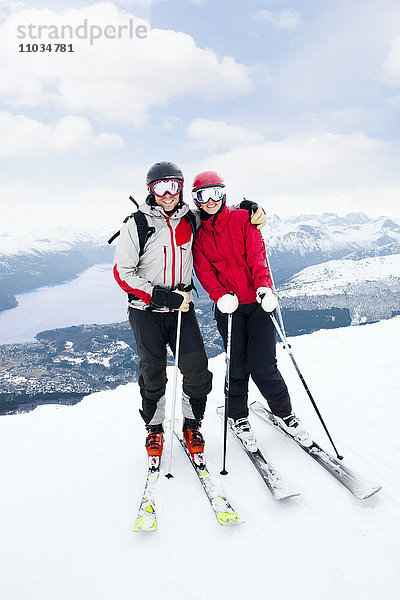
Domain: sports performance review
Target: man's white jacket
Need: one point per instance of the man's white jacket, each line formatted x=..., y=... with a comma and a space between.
x=167, y=258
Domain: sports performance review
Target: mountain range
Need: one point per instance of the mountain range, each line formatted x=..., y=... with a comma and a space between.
x=362, y=248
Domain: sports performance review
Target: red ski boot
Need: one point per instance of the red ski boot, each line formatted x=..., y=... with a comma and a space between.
x=194, y=440
x=154, y=445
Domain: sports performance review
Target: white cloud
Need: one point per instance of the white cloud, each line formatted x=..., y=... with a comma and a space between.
x=22, y=137
x=116, y=79
x=392, y=63
x=170, y=123
x=27, y=208
x=7, y=7
x=215, y=135
x=314, y=172
x=308, y=172
x=285, y=19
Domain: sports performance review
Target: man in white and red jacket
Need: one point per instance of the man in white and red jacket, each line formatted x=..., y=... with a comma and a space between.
x=230, y=263
x=158, y=281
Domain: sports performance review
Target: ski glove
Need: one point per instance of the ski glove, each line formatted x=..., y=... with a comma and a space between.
x=258, y=218
x=165, y=298
x=228, y=303
x=266, y=297
x=256, y=213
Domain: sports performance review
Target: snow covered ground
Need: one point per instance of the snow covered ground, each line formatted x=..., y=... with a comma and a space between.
x=72, y=478
x=336, y=276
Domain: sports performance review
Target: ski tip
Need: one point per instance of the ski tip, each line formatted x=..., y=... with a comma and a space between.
x=228, y=518
x=286, y=495
x=145, y=524
x=363, y=495
x=169, y=476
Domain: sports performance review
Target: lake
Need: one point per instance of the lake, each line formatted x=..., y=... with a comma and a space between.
x=93, y=297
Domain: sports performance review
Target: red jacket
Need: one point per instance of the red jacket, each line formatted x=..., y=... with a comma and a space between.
x=229, y=256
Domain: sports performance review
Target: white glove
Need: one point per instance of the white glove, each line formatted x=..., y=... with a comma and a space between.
x=267, y=299
x=228, y=303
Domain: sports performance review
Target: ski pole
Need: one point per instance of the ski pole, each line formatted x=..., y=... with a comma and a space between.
x=287, y=347
x=228, y=364
x=274, y=290
x=174, y=388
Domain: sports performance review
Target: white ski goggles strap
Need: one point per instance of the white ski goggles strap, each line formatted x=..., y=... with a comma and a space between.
x=203, y=195
x=166, y=186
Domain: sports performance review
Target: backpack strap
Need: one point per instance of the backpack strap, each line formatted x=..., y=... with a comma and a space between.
x=191, y=219
x=143, y=229
x=117, y=233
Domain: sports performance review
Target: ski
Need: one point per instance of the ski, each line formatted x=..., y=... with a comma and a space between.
x=146, y=519
x=357, y=486
x=271, y=478
x=225, y=514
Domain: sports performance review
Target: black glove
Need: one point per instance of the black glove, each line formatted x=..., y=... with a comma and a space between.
x=248, y=205
x=163, y=297
x=256, y=213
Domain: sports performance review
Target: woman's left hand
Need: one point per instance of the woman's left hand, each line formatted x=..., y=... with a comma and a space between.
x=258, y=217
x=266, y=297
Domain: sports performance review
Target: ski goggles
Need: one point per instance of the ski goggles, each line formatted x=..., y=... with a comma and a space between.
x=211, y=193
x=166, y=186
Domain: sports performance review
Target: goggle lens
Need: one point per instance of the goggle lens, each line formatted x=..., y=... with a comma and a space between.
x=166, y=186
x=212, y=193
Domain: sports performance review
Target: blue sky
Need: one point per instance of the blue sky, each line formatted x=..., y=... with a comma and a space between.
x=295, y=103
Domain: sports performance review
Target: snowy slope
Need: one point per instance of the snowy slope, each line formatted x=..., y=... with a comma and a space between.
x=334, y=276
x=72, y=479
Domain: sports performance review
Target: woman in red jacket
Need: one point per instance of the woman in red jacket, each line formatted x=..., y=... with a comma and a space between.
x=230, y=263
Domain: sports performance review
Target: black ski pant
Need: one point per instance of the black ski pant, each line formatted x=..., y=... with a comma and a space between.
x=153, y=331
x=253, y=352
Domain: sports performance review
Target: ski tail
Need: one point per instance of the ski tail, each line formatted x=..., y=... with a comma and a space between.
x=146, y=519
x=278, y=488
x=356, y=485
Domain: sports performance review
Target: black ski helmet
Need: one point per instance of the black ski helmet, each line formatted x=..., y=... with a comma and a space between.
x=163, y=170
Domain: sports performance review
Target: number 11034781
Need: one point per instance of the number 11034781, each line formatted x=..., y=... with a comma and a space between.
x=45, y=48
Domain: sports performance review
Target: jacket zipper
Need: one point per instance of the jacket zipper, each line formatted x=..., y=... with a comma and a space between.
x=165, y=263
x=173, y=253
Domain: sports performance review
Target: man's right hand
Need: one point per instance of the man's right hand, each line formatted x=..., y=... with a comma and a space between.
x=164, y=298
x=178, y=300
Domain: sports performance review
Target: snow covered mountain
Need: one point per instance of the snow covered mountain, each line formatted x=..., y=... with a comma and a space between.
x=298, y=242
x=47, y=257
x=369, y=287
x=72, y=479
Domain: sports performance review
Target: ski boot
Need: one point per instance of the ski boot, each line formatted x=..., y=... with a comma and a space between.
x=154, y=445
x=245, y=432
x=292, y=425
x=194, y=440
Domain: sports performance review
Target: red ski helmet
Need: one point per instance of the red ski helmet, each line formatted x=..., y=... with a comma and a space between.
x=207, y=179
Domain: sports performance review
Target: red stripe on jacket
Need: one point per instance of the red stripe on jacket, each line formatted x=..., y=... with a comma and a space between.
x=127, y=288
